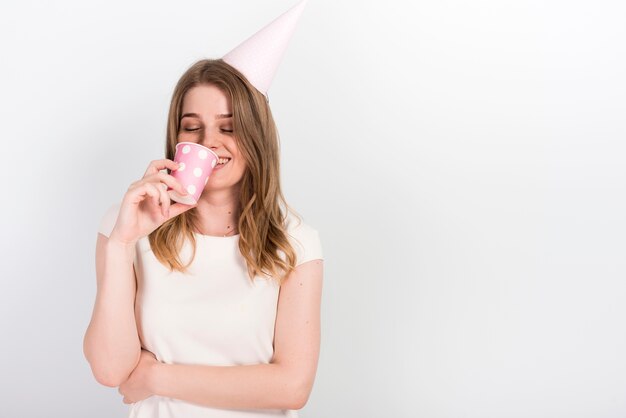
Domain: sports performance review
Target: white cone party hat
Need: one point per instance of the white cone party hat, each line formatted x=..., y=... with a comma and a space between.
x=258, y=56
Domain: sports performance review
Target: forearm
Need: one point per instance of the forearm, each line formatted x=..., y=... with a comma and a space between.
x=111, y=343
x=258, y=386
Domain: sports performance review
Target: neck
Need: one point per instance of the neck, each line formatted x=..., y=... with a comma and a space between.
x=218, y=213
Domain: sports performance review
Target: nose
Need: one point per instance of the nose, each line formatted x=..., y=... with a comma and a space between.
x=211, y=139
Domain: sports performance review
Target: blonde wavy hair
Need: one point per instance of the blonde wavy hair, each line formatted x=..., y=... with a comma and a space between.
x=263, y=238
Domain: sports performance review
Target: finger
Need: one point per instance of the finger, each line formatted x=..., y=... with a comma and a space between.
x=178, y=208
x=170, y=181
x=142, y=191
x=154, y=192
x=164, y=198
x=157, y=165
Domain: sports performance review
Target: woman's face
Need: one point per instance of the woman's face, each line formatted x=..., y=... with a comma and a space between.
x=206, y=119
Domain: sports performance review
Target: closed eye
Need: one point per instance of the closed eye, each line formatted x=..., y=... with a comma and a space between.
x=197, y=129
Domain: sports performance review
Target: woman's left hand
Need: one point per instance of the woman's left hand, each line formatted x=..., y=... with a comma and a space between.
x=138, y=385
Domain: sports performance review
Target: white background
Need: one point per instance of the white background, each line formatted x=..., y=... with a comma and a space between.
x=462, y=161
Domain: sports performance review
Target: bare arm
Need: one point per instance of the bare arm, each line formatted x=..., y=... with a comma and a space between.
x=257, y=386
x=111, y=344
x=285, y=383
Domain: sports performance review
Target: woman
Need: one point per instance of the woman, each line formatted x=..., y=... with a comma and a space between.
x=213, y=309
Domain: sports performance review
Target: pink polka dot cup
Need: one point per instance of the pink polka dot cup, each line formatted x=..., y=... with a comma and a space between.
x=196, y=163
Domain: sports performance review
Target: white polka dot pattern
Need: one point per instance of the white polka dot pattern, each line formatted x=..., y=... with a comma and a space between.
x=195, y=164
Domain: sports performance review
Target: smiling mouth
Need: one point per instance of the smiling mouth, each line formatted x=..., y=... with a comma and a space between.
x=222, y=162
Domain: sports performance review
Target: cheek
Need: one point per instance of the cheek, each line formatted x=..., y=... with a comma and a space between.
x=241, y=166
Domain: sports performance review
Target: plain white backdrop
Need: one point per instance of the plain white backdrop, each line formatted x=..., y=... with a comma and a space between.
x=462, y=161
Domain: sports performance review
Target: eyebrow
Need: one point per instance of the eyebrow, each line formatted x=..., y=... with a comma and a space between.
x=220, y=116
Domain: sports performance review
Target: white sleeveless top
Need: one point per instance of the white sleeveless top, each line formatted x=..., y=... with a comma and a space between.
x=214, y=315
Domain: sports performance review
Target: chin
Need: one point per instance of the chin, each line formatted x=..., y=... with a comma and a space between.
x=215, y=187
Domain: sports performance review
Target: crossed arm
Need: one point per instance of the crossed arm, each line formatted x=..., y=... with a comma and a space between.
x=285, y=383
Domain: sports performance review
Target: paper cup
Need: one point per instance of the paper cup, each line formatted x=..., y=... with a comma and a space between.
x=196, y=165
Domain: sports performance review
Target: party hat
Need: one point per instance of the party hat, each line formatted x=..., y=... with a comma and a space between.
x=258, y=56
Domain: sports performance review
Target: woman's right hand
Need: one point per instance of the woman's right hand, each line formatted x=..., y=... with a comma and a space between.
x=146, y=204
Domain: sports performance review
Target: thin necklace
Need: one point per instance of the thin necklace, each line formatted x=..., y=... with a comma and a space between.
x=224, y=235
x=228, y=233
